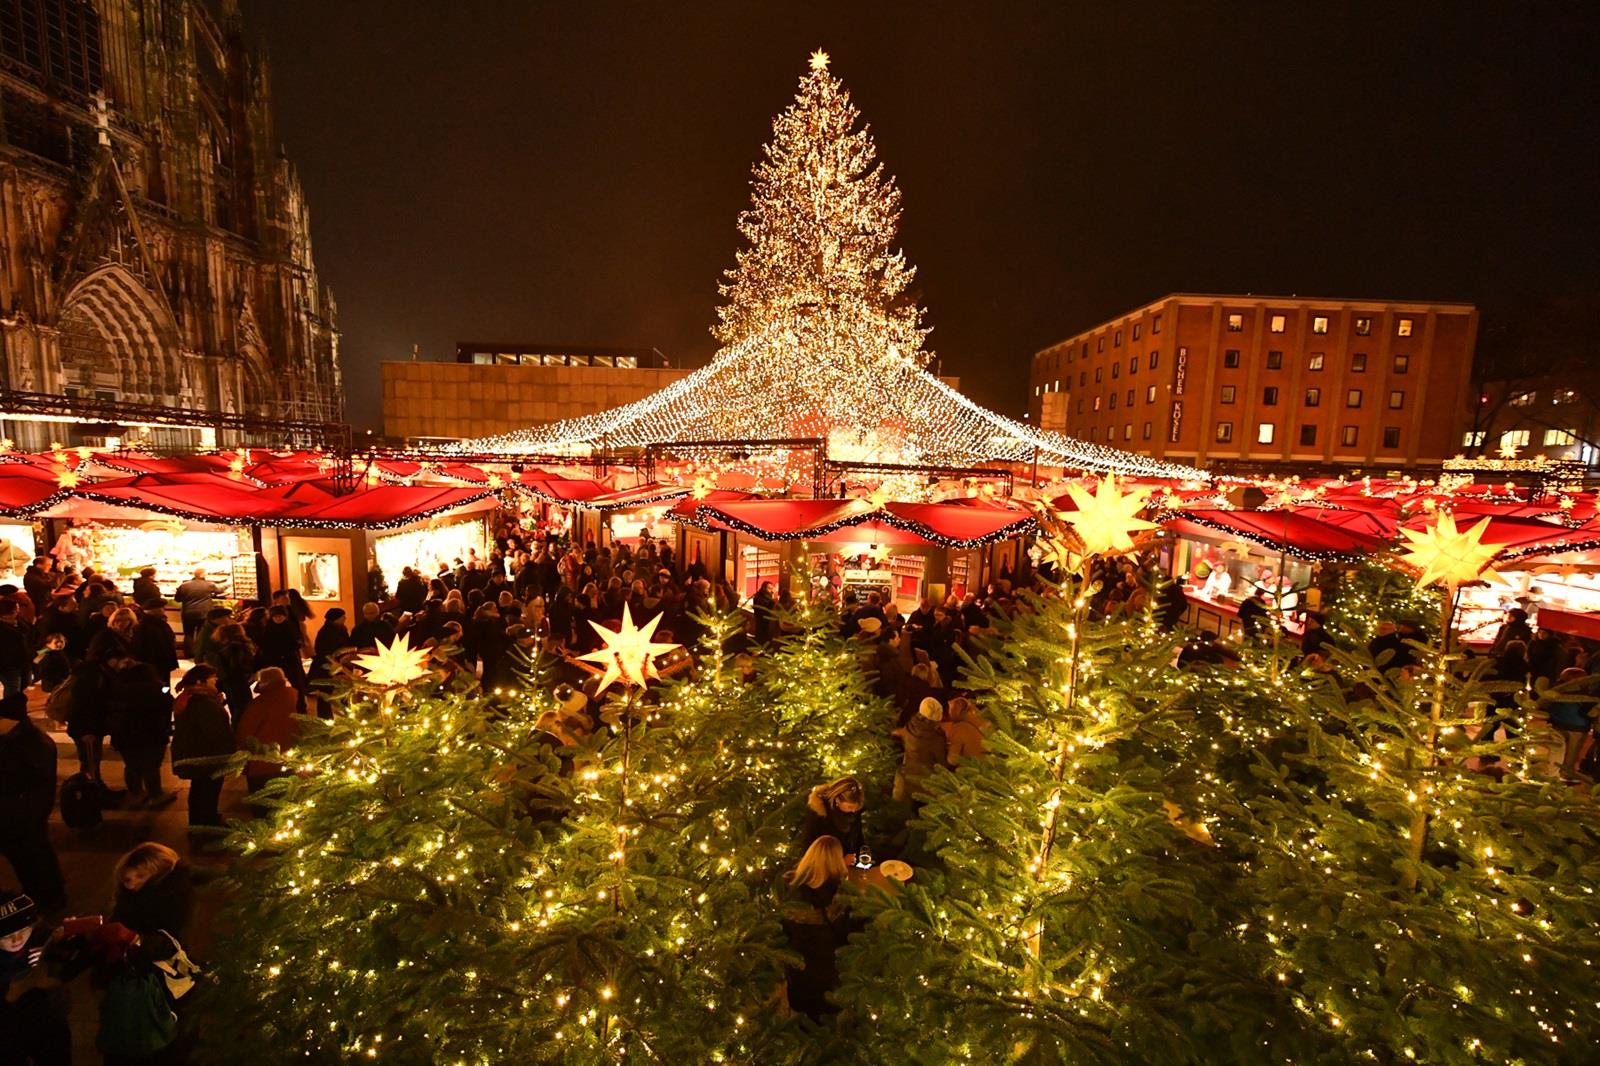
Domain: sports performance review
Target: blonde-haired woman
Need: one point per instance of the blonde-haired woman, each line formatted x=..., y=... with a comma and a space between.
x=834, y=810
x=813, y=927
x=152, y=890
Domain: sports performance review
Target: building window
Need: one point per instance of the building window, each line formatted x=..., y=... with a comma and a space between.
x=1155, y=357
x=1111, y=433
x=1097, y=403
x=1155, y=326
x=1473, y=438
x=1308, y=436
x=1315, y=360
x=1113, y=404
x=1363, y=327
x=1037, y=389
x=1080, y=407
x=1313, y=398
x=1133, y=365
x=1116, y=370
x=1230, y=358
x=1319, y=323
x=1402, y=327
x=1561, y=396
x=1137, y=329
x=1523, y=399
x=1235, y=323
x=1150, y=394
x=1348, y=436
x=1358, y=363
x=1265, y=432
x=1147, y=430
x=1560, y=438
x=1269, y=396
x=1228, y=393
x=1069, y=356
x=1391, y=436
x=1277, y=323
x=1094, y=431
x=1224, y=432
x=1402, y=363
x=1352, y=398
x=1127, y=431
x=1130, y=397
x=1116, y=339
x=1099, y=372
x=1515, y=438
x=1397, y=399
x=1099, y=344
x=1274, y=360
x=1083, y=378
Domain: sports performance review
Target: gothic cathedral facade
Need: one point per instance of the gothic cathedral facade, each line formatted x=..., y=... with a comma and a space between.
x=155, y=246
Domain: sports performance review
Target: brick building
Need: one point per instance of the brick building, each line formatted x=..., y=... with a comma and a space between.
x=499, y=388
x=1266, y=381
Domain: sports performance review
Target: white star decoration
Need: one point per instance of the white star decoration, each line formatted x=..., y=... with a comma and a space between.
x=394, y=664
x=819, y=60
x=629, y=654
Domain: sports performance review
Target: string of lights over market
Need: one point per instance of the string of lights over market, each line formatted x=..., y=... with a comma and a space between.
x=820, y=338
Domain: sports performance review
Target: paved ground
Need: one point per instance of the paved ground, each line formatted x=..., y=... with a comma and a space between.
x=87, y=859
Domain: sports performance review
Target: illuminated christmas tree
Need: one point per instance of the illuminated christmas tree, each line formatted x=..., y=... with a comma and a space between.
x=442, y=881
x=820, y=334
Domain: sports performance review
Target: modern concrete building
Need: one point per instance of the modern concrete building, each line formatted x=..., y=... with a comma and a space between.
x=499, y=388
x=1265, y=381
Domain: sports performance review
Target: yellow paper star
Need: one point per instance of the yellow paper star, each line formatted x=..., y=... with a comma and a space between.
x=6, y=444
x=1106, y=520
x=629, y=653
x=495, y=481
x=394, y=664
x=1442, y=553
x=1509, y=449
x=67, y=479
x=819, y=60
x=702, y=488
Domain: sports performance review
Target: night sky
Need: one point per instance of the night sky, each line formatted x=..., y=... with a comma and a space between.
x=571, y=172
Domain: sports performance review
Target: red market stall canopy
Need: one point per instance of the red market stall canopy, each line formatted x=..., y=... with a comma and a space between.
x=25, y=494
x=1284, y=531
x=646, y=495
x=949, y=525
x=386, y=507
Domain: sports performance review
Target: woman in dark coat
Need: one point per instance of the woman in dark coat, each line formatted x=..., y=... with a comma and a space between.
x=333, y=638
x=834, y=810
x=232, y=655
x=201, y=729
x=139, y=711
x=280, y=646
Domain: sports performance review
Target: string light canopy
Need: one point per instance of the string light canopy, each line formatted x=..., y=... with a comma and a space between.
x=819, y=335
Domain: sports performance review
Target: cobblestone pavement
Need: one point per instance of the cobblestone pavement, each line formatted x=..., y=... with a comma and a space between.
x=87, y=859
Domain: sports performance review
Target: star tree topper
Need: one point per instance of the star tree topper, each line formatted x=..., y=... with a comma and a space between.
x=1444, y=554
x=1106, y=520
x=629, y=654
x=394, y=664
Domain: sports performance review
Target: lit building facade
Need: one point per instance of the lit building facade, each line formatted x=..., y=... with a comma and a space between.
x=155, y=246
x=1556, y=416
x=1253, y=381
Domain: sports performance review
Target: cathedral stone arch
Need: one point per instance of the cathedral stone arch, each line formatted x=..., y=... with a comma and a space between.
x=118, y=341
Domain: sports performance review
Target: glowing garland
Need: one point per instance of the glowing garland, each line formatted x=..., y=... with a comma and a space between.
x=819, y=339
x=1307, y=554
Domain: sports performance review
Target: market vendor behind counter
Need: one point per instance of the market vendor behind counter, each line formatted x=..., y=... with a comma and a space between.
x=1218, y=588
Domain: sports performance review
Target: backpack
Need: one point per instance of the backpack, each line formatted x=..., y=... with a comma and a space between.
x=136, y=1015
x=80, y=802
